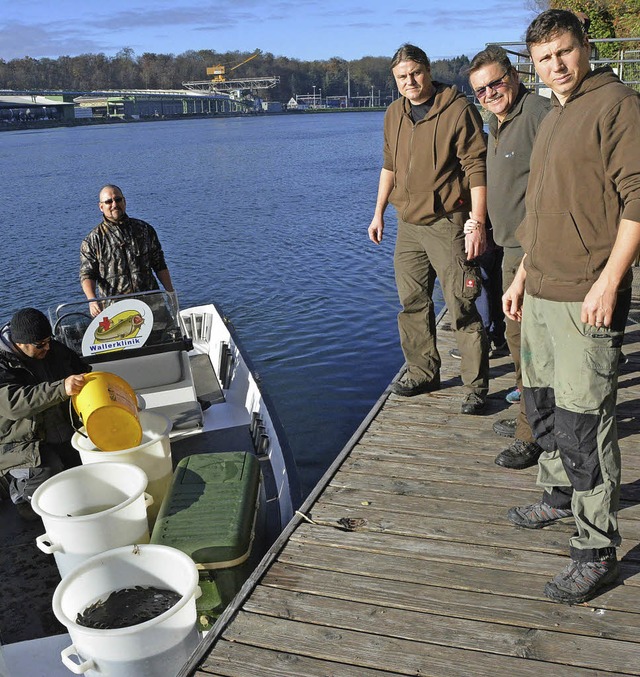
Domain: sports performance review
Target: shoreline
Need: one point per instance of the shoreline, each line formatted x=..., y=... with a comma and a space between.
x=90, y=122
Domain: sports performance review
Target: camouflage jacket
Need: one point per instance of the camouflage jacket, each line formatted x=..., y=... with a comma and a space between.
x=122, y=257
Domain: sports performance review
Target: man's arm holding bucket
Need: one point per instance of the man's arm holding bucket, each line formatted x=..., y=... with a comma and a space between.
x=73, y=384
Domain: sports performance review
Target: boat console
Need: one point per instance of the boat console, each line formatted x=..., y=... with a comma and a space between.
x=140, y=338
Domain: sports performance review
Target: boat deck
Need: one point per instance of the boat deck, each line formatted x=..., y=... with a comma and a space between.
x=410, y=566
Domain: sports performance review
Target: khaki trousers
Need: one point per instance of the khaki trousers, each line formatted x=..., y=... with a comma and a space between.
x=423, y=253
x=570, y=378
x=510, y=264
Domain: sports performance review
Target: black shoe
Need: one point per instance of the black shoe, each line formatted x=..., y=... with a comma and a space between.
x=473, y=404
x=455, y=353
x=498, y=351
x=580, y=581
x=408, y=387
x=537, y=515
x=519, y=455
x=506, y=427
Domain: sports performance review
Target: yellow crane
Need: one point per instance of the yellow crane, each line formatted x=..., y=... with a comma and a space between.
x=219, y=71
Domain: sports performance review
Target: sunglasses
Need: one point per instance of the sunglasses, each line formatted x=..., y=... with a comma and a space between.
x=42, y=344
x=496, y=84
x=111, y=200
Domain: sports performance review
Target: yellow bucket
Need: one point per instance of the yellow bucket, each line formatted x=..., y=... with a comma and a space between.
x=108, y=408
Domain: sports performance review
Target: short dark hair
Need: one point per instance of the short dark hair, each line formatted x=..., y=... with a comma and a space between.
x=548, y=24
x=111, y=186
x=491, y=54
x=410, y=53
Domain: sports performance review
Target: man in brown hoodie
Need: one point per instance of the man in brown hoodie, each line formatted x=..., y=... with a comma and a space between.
x=580, y=236
x=434, y=175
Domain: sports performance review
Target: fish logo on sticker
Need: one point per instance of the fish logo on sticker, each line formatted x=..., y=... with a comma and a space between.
x=122, y=326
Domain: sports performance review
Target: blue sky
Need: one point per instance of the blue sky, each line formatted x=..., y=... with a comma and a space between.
x=301, y=29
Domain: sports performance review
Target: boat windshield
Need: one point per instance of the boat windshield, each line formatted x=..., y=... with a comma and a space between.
x=127, y=322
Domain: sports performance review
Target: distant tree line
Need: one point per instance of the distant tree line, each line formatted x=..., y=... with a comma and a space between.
x=126, y=70
x=606, y=19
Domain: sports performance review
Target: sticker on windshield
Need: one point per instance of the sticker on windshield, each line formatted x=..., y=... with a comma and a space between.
x=122, y=326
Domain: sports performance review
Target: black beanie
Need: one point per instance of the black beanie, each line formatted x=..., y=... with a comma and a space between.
x=29, y=326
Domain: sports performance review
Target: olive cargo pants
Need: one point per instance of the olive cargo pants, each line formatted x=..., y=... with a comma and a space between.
x=423, y=253
x=570, y=379
x=510, y=264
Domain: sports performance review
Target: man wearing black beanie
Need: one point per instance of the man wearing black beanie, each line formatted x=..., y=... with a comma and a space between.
x=38, y=375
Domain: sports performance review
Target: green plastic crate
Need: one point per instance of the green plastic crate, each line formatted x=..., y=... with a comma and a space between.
x=210, y=514
x=210, y=510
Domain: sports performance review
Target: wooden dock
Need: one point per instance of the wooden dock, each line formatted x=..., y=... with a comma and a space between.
x=410, y=567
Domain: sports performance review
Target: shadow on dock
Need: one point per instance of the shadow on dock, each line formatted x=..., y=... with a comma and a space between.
x=403, y=562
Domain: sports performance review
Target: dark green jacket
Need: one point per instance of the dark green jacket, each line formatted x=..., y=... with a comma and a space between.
x=33, y=404
x=508, y=156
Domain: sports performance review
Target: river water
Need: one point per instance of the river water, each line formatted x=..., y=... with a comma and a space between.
x=267, y=216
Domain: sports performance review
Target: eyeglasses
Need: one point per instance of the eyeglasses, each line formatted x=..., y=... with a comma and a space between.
x=111, y=200
x=42, y=344
x=496, y=84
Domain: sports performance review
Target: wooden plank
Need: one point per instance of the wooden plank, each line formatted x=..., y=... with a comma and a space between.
x=426, y=506
x=460, y=528
x=476, y=474
x=385, y=653
x=232, y=659
x=446, y=490
x=503, y=559
x=483, y=636
x=499, y=597
x=465, y=452
x=552, y=539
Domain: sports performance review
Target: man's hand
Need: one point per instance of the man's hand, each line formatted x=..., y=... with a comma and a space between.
x=512, y=300
x=475, y=242
x=94, y=308
x=598, y=304
x=73, y=384
x=375, y=229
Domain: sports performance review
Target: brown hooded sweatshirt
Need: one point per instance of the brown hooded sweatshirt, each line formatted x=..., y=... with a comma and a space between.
x=436, y=161
x=585, y=177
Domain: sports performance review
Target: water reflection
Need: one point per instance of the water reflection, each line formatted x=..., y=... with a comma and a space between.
x=266, y=216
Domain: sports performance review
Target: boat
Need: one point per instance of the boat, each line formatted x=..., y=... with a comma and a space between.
x=189, y=366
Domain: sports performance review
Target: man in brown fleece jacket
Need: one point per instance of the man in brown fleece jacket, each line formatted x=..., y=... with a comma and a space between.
x=580, y=236
x=434, y=175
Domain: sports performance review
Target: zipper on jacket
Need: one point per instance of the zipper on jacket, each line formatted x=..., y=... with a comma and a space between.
x=541, y=181
x=406, y=183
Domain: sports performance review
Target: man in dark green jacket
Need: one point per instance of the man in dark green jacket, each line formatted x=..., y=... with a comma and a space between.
x=515, y=115
x=38, y=375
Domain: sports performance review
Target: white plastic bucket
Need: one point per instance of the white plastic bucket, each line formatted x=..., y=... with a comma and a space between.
x=90, y=509
x=156, y=648
x=153, y=456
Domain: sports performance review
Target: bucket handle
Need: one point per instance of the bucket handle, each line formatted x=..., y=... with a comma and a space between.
x=44, y=543
x=76, y=668
x=148, y=499
x=73, y=423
